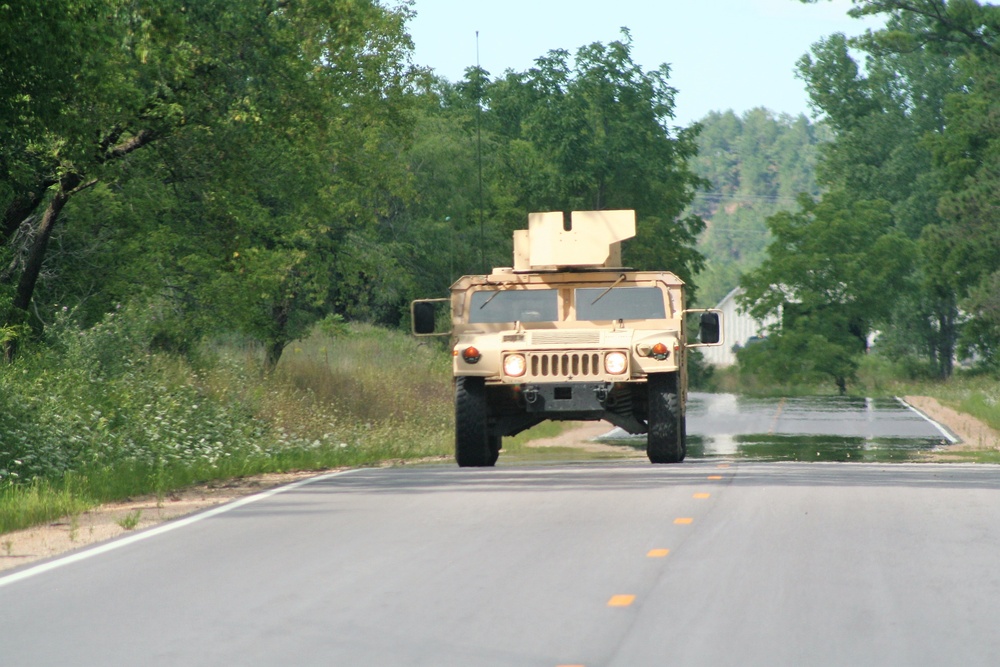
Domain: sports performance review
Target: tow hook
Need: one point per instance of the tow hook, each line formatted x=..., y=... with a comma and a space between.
x=602, y=392
x=530, y=394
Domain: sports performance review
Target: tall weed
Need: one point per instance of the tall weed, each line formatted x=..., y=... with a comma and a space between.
x=95, y=414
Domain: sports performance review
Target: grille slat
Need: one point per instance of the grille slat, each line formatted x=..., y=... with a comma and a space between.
x=560, y=365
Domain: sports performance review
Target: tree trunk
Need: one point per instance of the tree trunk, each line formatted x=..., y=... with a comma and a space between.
x=36, y=256
x=277, y=343
x=946, y=344
x=944, y=336
x=20, y=208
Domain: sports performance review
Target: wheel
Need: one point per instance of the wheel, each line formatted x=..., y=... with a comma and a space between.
x=665, y=439
x=495, y=444
x=472, y=447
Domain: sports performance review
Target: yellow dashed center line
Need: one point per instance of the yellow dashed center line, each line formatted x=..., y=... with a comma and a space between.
x=657, y=553
x=715, y=476
x=621, y=600
x=702, y=496
x=684, y=521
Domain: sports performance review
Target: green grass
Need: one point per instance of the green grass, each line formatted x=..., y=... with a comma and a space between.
x=80, y=426
x=130, y=520
x=40, y=502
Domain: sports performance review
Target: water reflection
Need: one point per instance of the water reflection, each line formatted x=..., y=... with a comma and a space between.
x=808, y=428
x=783, y=447
x=814, y=428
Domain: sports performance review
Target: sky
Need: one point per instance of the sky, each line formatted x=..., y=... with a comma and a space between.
x=723, y=54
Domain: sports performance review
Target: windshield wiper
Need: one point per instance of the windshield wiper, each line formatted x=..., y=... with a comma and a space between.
x=492, y=296
x=614, y=285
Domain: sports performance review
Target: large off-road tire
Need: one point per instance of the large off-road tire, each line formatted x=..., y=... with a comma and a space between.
x=495, y=443
x=665, y=439
x=472, y=446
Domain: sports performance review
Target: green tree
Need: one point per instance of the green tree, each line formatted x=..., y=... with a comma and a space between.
x=881, y=119
x=830, y=273
x=916, y=131
x=272, y=122
x=575, y=132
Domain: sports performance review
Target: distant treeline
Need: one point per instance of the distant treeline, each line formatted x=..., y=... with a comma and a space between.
x=757, y=164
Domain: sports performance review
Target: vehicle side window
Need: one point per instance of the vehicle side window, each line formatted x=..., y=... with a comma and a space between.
x=488, y=306
x=619, y=303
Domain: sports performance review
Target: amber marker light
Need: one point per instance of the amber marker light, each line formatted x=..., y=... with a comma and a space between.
x=659, y=352
x=471, y=355
x=514, y=365
x=615, y=363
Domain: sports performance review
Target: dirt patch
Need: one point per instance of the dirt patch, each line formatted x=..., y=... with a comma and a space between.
x=581, y=435
x=974, y=434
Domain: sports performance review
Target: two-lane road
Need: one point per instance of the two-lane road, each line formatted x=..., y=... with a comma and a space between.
x=704, y=563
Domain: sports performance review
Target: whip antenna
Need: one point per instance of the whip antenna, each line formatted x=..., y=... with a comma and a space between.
x=479, y=155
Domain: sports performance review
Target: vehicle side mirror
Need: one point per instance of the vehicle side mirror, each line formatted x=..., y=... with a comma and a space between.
x=709, y=331
x=424, y=317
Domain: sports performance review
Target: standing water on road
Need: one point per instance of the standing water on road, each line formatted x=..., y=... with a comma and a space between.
x=811, y=428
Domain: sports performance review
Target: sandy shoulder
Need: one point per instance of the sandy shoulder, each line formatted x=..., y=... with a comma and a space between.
x=106, y=522
x=582, y=435
x=974, y=434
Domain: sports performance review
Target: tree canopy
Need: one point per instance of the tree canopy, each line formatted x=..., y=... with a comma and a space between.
x=915, y=137
x=249, y=168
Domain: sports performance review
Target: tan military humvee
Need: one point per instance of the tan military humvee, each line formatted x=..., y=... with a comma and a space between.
x=568, y=334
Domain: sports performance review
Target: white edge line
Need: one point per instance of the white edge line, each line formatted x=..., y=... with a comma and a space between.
x=944, y=431
x=165, y=527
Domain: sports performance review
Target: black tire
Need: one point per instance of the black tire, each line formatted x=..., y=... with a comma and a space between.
x=472, y=447
x=665, y=439
x=496, y=444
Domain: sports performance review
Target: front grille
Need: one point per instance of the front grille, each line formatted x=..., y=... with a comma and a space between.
x=564, y=365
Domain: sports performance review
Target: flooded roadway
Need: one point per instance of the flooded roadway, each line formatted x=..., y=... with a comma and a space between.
x=811, y=428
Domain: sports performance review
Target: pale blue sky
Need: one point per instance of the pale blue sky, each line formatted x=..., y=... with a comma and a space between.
x=724, y=54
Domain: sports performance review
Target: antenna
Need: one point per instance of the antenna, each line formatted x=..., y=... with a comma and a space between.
x=479, y=156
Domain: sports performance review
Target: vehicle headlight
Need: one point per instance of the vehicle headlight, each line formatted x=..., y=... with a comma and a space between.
x=514, y=365
x=615, y=363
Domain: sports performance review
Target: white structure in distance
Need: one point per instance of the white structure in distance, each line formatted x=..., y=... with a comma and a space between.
x=738, y=328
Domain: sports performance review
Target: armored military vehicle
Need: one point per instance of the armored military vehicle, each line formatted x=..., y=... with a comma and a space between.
x=569, y=334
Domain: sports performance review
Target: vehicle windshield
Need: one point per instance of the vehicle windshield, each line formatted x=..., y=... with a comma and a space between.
x=514, y=305
x=619, y=303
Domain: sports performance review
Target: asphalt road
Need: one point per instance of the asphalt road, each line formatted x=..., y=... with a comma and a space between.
x=626, y=564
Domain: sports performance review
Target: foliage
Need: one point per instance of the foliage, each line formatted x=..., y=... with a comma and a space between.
x=916, y=141
x=98, y=416
x=828, y=269
x=269, y=124
x=584, y=131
